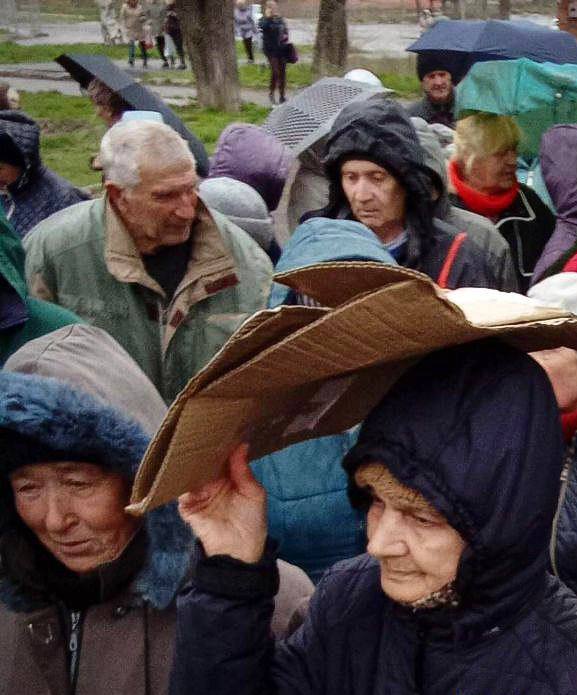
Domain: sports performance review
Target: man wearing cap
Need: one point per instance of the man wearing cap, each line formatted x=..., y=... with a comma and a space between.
x=438, y=81
x=168, y=278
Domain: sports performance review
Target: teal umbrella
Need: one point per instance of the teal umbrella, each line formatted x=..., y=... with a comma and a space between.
x=538, y=95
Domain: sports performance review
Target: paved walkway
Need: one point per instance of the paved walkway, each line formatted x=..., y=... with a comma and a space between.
x=51, y=77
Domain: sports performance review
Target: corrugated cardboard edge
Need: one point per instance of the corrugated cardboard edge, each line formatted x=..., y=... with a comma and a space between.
x=157, y=457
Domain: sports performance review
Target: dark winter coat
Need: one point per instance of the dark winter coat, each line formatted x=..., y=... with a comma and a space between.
x=559, y=167
x=381, y=131
x=489, y=460
x=22, y=318
x=433, y=113
x=527, y=226
x=39, y=191
x=274, y=36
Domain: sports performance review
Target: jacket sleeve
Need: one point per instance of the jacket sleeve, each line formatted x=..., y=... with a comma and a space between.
x=223, y=636
x=39, y=275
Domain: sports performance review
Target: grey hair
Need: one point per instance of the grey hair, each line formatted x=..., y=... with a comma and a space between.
x=130, y=146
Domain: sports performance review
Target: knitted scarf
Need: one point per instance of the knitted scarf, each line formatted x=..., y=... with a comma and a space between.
x=487, y=205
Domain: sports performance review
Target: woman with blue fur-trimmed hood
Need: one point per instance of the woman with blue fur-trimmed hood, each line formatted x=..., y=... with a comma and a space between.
x=87, y=591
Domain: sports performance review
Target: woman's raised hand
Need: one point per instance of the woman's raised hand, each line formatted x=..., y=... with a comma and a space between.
x=228, y=515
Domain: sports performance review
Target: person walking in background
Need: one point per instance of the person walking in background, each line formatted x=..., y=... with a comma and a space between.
x=245, y=27
x=133, y=17
x=174, y=33
x=156, y=13
x=274, y=38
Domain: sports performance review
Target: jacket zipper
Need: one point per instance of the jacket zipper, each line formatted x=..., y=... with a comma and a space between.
x=74, y=644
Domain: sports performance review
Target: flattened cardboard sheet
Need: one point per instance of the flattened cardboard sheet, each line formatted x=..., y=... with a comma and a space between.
x=295, y=373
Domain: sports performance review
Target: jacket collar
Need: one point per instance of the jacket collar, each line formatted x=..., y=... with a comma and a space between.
x=211, y=267
x=209, y=259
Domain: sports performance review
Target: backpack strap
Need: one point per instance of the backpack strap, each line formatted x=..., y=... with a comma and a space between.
x=456, y=244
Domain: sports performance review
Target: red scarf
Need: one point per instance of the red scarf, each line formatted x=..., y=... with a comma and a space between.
x=488, y=205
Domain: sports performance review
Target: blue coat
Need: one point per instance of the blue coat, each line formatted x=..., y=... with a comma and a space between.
x=39, y=191
x=308, y=510
x=489, y=461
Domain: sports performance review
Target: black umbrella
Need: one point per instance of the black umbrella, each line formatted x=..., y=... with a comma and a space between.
x=84, y=68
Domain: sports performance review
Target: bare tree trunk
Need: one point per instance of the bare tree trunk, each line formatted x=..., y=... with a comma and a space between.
x=504, y=9
x=462, y=10
x=208, y=32
x=331, y=44
x=484, y=7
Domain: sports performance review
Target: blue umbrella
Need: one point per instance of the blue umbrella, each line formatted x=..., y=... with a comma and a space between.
x=461, y=43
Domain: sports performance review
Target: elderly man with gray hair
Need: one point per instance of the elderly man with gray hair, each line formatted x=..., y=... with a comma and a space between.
x=150, y=263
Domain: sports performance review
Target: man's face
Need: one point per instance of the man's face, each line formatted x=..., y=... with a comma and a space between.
x=376, y=198
x=9, y=174
x=76, y=510
x=417, y=550
x=495, y=173
x=438, y=86
x=158, y=211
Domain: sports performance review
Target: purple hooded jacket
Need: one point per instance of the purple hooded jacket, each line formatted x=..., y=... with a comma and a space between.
x=559, y=167
x=247, y=153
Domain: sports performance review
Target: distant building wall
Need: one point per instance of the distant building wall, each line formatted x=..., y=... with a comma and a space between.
x=567, y=15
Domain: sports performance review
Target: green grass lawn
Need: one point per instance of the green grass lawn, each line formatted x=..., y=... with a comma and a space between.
x=71, y=132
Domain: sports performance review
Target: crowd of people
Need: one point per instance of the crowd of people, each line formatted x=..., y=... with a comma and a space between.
x=450, y=512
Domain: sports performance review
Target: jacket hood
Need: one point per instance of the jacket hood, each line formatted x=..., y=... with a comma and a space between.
x=320, y=240
x=13, y=290
x=489, y=460
x=436, y=163
x=249, y=154
x=25, y=135
x=88, y=358
x=50, y=414
x=380, y=131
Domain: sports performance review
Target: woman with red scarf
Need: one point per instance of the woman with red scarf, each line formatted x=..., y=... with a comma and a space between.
x=482, y=176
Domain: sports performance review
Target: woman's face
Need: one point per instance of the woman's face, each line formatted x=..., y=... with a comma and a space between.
x=493, y=174
x=76, y=510
x=417, y=550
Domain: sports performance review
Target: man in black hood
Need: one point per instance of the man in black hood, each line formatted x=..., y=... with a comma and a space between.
x=438, y=80
x=378, y=176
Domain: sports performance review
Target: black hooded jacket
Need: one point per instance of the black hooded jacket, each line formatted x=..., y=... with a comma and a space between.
x=381, y=131
x=475, y=430
x=39, y=191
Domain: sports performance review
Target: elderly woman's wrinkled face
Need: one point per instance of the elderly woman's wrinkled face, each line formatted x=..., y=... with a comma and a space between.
x=417, y=550
x=494, y=173
x=76, y=510
x=376, y=198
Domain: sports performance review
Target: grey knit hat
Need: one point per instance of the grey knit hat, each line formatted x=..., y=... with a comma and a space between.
x=242, y=205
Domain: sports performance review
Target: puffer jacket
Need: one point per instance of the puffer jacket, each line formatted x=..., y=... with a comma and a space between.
x=559, y=168
x=308, y=509
x=492, y=469
x=39, y=191
x=381, y=131
x=22, y=317
x=84, y=259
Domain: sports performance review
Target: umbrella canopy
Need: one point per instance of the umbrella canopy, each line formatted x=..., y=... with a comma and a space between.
x=308, y=116
x=538, y=95
x=465, y=42
x=84, y=68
